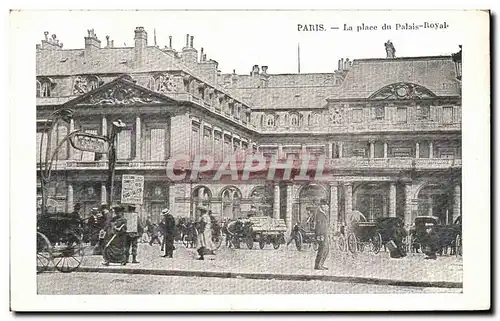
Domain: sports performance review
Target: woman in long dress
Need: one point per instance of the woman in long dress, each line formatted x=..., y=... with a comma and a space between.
x=205, y=245
x=115, y=248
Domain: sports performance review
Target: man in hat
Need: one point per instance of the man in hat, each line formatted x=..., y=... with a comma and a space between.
x=205, y=246
x=321, y=232
x=133, y=235
x=168, y=233
x=93, y=226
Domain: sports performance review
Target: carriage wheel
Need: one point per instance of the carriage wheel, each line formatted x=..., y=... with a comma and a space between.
x=276, y=242
x=249, y=241
x=262, y=242
x=352, y=243
x=458, y=245
x=236, y=242
x=68, y=255
x=185, y=240
x=298, y=240
x=217, y=240
x=342, y=243
x=376, y=243
x=43, y=252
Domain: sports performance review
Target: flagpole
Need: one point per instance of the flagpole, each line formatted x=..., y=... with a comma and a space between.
x=298, y=57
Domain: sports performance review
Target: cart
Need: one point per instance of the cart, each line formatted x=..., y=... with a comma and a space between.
x=265, y=230
x=364, y=236
x=303, y=236
x=59, y=242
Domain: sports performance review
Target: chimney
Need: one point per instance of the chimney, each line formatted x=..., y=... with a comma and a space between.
x=389, y=49
x=169, y=49
x=50, y=43
x=92, y=44
x=189, y=54
x=201, y=55
x=255, y=70
x=141, y=42
x=109, y=43
x=341, y=64
x=264, y=70
x=346, y=64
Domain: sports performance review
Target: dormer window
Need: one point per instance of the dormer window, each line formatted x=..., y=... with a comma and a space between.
x=270, y=120
x=294, y=120
x=44, y=87
x=423, y=112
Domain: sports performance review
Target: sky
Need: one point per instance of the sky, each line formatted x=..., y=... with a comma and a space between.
x=240, y=39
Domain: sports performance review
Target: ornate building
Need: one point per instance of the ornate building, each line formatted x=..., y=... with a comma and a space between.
x=390, y=130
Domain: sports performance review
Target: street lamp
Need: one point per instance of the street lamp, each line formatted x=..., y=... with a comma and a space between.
x=65, y=115
x=116, y=127
x=457, y=60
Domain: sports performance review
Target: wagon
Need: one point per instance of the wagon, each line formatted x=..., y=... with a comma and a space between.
x=303, y=236
x=364, y=236
x=418, y=232
x=265, y=230
x=59, y=241
x=448, y=236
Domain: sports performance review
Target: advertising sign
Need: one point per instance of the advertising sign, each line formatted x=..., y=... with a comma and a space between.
x=90, y=143
x=132, y=189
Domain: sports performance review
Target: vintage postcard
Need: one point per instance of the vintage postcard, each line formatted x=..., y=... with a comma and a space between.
x=250, y=160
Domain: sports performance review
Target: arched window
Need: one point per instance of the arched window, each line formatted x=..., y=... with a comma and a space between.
x=38, y=89
x=316, y=119
x=231, y=200
x=151, y=84
x=294, y=120
x=270, y=120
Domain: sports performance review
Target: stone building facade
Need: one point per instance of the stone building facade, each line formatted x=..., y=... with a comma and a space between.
x=390, y=130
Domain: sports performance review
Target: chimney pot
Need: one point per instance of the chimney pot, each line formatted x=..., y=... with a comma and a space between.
x=46, y=33
x=170, y=41
x=264, y=70
x=187, y=40
x=192, y=38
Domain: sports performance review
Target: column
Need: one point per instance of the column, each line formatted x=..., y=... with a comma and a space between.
x=392, y=200
x=334, y=207
x=330, y=150
x=385, y=149
x=69, y=198
x=288, y=219
x=103, y=193
x=71, y=129
x=407, y=216
x=348, y=197
x=171, y=199
x=202, y=133
x=341, y=149
x=431, y=149
x=431, y=212
x=417, y=150
x=213, y=142
x=138, y=141
x=276, y=205
x=456, y=202
x=104, y=132
x=372, y=149
x=280, y=151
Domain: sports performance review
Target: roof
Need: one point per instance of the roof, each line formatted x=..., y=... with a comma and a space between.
x=366, y=76
x=281, y=80
x=104, y=60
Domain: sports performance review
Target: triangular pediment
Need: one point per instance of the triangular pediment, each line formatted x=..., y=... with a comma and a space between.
x=403, y=91
x=120, y=92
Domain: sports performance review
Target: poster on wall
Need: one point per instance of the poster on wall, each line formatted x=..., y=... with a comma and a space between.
x=132, y=189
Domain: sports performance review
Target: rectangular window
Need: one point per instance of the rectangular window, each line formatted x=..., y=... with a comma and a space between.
x=447, y=115
x=357, y=115
x=401, y=115
x=157, y=142
x=89, y=156
x=39, y=137
x=195, y=139
x=124, y=144
x=218, y=146
x=207, y=140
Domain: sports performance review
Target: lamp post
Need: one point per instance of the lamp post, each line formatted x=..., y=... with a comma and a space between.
x=66, y=115
x=116, y=127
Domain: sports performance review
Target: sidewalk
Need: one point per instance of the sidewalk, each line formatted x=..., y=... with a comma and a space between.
x=290, y=264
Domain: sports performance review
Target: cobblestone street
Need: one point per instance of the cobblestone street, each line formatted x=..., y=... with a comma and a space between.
x=285, y=260
x=108, y=283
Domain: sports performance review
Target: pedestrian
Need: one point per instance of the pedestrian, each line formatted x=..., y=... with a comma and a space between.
x=205, y=246
x=431, y=244
x=133, y=234
x=168, y=233
x=321, y=234
x=114, y=251
x=93, y=227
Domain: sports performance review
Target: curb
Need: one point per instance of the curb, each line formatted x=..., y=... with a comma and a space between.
x=272, y=276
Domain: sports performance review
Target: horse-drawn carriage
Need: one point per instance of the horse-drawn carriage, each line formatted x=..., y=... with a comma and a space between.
x=427, y=231
x=363, y=236
x=261, y=229
x=188, y=232
x=59, y=241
